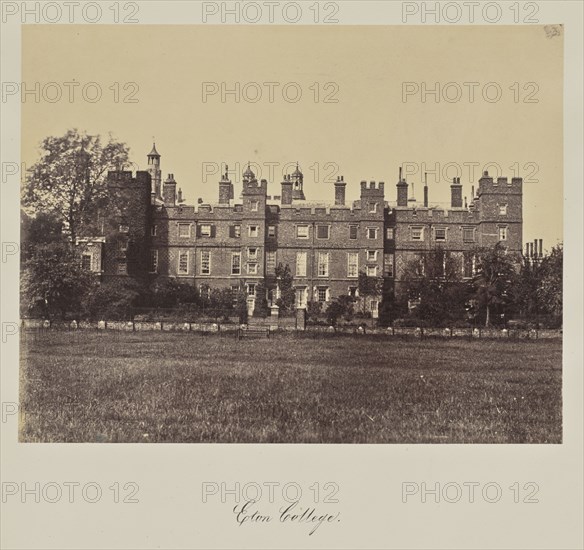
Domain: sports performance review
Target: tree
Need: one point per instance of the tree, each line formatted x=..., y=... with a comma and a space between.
x=551, y=281
x=220, y=303
x=342, y=306
x=525, y=288
x=115, y=300
x=287, y=292
x=69, y=180
x=495, y=274
x=241, y=305
x=42, y=228
x=368, y=287
x=170, y=293
x=313, y=310
x=54, y=280
x=261, y=301
x=434, y=280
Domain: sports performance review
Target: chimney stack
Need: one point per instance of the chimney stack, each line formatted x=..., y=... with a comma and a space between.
x=456, y=193
x=286, y=190
x=225, y=188
x=169, y=191
x=402, y=190
x=426, y=189
x=340, y=185
x=540, y=248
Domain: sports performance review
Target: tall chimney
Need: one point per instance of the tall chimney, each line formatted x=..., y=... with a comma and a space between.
x=456, y=193
x=169, y=191
x=527, y=250
x=225, y=188
x=426, y=189
x=402, y=190
x=286, y=190
x=340, y=185
x=531, y=250
x=540, y=247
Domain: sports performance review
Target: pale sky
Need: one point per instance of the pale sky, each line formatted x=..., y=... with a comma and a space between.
x=368, y=133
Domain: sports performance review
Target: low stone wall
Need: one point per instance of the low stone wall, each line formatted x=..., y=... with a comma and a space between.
x=287, y=324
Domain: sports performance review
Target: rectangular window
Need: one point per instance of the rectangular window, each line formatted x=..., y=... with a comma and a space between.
x=184, y=230
x=252, y=268
x=417, y=233
x=468, y=265
x=235, y=231
x=122, y=268
x=153, y=231
x=503, y=233
x=301, y=296
x=124, y=229
x=372, y=255
x=372, y=232
x=322, y=293
x=322, y=231
x=502, y=210
x=353, y=230
x=468, y=235
x=253, y=231
x=205, y=230
x=372, y=271
x=352, y=264
x=153, y=261
x=389, y=233
x=86, y=262
x=205, y=262
x=323, y=264
x=388, y=265
x=372, y=207
x=302, y=231
x=236, y=263
x=270, y=262
x=440, y=234
x=252, y=253
x=353, y=291
x=251, y=289
x=254, y=205
x=374, y=307
x=271, y=230
x=183, y=262
x=301, y=264
x=123, y=246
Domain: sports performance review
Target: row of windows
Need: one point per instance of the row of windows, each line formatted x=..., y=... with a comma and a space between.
x=322, y=295
x=205, y=265
x=210, y=230
x=302, y=231
x=251, y=265
x=441, y=233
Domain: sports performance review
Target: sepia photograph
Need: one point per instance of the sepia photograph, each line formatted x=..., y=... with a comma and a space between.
x=306, y=235
x=291, y=274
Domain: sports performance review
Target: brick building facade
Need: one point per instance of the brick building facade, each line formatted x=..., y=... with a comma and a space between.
x=149, y=231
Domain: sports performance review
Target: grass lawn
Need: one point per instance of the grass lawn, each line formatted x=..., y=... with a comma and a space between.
x=172, y=387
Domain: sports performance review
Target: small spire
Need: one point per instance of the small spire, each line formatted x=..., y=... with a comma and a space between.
x=154, y=152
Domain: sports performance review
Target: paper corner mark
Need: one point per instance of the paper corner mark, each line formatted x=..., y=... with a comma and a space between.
x=551, y=31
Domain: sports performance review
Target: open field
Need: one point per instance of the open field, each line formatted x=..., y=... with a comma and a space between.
x=172, y=387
